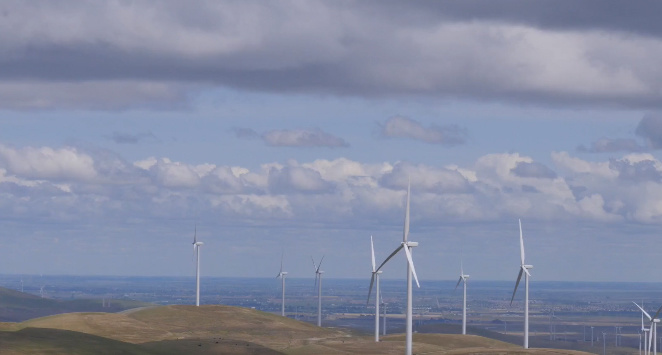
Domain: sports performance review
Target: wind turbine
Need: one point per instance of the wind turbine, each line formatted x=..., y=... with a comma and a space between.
x=196, y=251
x=524, y=269
x=652, y=328
x=463, y=278
x=318, y=275
x=411, y=271
x=375, y=277
x=282, y=275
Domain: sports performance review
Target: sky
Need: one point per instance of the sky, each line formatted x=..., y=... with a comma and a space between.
x=292, y=128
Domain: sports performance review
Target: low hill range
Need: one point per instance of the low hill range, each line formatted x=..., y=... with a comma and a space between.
x=216, y=329
x=16, y=306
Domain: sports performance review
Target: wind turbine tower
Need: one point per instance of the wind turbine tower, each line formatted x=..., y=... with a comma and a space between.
x=652, y=329
x=407, y=246
x=282, y=275
x=196, y=251
x=524, y=269
x=318, y=276
x=375, y=279
x=463, y=279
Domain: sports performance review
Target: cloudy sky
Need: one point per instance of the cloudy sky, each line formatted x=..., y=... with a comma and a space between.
x=294, y=125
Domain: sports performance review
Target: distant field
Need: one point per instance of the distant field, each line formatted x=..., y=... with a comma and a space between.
x=17, y=306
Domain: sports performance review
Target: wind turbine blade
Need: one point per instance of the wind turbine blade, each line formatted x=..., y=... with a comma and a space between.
x=527, y=272
x=281, y=262
x=458, y=282
x=372, y=280
x=411, y=264
x=372, y=249
x=405, y=233
x=657, y=313
x=521, y=242
x=316, y=276
x=461, y=268
x=643, y=311
x=519, y=277
x=390, y=256
x=195, y=234
x=320, y=264
x=314, y=266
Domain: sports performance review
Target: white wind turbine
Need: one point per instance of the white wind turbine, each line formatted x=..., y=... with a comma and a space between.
x=282, y=275
x=645, y=331
x=463, y=278
x=411, y=271
x=196, y=251
x=375, y=280
x=652, y=328
x=524, y=269
x=318, y=275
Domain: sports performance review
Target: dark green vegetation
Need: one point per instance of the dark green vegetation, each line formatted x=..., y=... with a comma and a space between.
x=16, y=306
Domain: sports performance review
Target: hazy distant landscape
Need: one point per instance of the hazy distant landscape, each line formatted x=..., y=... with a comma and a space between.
x=437, y=307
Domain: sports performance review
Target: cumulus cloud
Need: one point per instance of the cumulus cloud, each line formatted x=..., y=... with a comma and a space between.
x=47, y=163
x=302, y=138
x=116, y=55
x=69, y=184
x=403, y=127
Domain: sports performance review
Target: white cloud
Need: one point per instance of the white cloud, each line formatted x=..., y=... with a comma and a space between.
x=61, y=183
x=48, y=163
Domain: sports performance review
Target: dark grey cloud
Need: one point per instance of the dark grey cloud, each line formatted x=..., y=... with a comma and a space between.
x=302, y=138
x=403, y=127
x=608, y=145
x=640, y=171
x=650, y=128
x=534, y=170
x=131, y=138
x=449, y=49
x=638, y=17
x=245, y=133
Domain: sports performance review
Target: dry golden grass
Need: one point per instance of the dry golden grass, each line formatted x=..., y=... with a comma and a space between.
x=224, y=326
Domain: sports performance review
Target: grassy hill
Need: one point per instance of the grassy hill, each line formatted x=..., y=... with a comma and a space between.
x=16, y=306
x=222, y=330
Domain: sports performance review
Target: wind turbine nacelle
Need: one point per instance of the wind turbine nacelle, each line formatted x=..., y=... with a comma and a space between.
x=656, y=320
x=199, y=243
x=378, y=272
x=284, y=273
x=320, y=272
x=412, y=244
x=528, y=266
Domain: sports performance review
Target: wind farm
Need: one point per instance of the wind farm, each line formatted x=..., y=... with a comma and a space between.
x=294, y=132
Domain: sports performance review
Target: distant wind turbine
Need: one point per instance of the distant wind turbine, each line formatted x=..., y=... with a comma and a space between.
x=652, y=328
x=196, y=251
x=524, y=269
x=282, y=275
x=463, y=278
x=318, y=276
x=411, y=271
x=375, y=280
